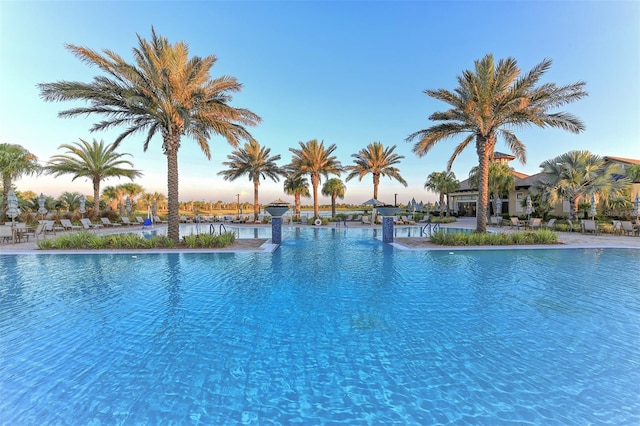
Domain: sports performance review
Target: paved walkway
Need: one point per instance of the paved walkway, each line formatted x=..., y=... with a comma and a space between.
x=566, y=239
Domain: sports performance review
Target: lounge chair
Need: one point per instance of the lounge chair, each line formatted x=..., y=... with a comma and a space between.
x=139, y=220
x=87, y=224
x=551, y=224
x=107, y=222
x=68, y=226
x=40, y=230
x=157, y=219
x=589, y=225
x=627, y=228
x=365, y=220
x=126, y=221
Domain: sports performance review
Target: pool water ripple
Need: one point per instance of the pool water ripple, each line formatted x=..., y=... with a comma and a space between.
x=333, y=327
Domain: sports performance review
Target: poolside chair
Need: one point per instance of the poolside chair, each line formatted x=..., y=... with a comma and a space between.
x=107, y=222
x=88, y=225
x=551, y=224
x=535, y=223
x=6, y=233
x=628, y=228
x=589, y=225
x=126, y=221
x=157, y=219
x=496, y=220
x=30, y=232
x=139, y=220
x=68, y=226
x=516, y=223
x=365, y=220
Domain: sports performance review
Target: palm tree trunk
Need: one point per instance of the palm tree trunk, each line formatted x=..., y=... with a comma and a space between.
x=315, y=181
x=484, y=148
x=442, y=207
x=574, y=208
x=376, y=183
x=171, y=151
x=296, y=200
x=96, y=196
x=6, y=186
x=333, y=205
x=256, y=206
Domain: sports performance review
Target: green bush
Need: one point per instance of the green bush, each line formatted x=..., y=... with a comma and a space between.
x=88, y=241
x=541, y=237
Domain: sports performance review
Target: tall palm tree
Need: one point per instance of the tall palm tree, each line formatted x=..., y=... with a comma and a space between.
x=95, y=161
x=577, y=175
x=315, y=160
x=500, y=182
x=256, y=162
x=15, y=162
x=377, y=160
x=491, y=101
x=443, y=183
x=164, y=92
x=298, y=187
x=334, y=188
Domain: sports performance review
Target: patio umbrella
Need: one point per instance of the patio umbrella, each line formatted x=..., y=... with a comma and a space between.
x=127, y=204
x=41, y=201
x=83, y=201
x=373, y=202
x=436, y=207
x=593, y=206
x=636, y=206
x=498, y=206
x=529, y=206
x=12, y=204
x=154, y=208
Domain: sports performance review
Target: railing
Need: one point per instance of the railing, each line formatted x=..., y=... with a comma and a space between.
x=212, y=229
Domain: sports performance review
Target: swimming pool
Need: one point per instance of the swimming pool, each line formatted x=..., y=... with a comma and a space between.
x=333, y=327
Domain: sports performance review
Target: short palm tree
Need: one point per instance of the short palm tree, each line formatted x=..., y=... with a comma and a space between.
x=298, y=187
x=377, y=160
x=501, y=181
x=491, y=101
x=577, y=175
x=70, y=200
x=334, y=188
x=95, y=161
x=315, y=160
x=442, y=183
x=255, y=162
x=164, y=92
x=15, y=161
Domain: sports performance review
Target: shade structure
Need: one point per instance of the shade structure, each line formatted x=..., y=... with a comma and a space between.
x=498, y=206
x=127, y=204
x=373, y=202
x=592, y=211
x=154, y=208
x=12, y=205
x=636, y=206
x=41, y=208
x=83, y=208
x=436, y=207
x=529, y=205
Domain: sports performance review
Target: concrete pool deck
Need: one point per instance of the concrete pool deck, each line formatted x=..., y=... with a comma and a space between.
x=263, y=245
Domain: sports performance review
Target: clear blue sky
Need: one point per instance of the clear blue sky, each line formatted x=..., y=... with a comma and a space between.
x=348, y=73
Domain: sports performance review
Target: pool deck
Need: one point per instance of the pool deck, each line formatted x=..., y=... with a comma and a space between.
x=262, y=245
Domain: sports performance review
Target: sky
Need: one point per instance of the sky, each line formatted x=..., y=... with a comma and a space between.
x=344, y=72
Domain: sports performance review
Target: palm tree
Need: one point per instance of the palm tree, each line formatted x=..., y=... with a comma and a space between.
x=70, y=200
x=95, y=161
x=315, y=160
x=443, y=183
x=633, y=173
x=377, y=160
x=15, y=162
x=576, y=175
x=490, y=102
x=500, y=182
x=334, y=188
x=133, y=191
x=254, y=161
x=164, y=92
x=298, y=187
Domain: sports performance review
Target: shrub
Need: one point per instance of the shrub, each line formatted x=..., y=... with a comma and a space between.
x=543, y=236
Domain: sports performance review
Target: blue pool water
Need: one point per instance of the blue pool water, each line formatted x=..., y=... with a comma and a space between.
x=333, y=327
